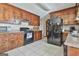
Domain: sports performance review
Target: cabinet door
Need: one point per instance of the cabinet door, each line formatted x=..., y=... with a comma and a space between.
x=12, y=41
x=37, y=35
x=71, y=17
x=24, y=15
x=32, y=20
x=20, y=39
x=65, y=36
x=35, y=20
x=3, y=43
x=29, y=17
x=2, y=11
x=8, y=13
x=17, y=14
x=65, y=17
x=40, y=35
x=73, y=51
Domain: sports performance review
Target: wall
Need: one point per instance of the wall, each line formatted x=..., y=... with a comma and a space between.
x=43, y=24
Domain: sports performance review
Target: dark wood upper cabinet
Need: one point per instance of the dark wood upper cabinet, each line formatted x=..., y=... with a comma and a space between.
x=1, y=13
x=68, y=15
x=8, y=12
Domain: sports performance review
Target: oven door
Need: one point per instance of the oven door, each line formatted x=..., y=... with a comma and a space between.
x=29, y=35
x=28, y=38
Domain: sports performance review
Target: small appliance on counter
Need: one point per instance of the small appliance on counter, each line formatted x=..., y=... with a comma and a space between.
x=72, y=29
x=28, y=35
x=3, y=28
x=74, y=32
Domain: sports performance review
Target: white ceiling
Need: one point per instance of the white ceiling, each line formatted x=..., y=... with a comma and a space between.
x=42, y=9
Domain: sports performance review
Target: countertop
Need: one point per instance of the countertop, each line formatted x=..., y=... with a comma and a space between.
x=12, y=32
x=72, y=41
x=36, y=30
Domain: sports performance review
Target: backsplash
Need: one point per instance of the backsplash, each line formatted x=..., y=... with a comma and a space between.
x=67, y=27
x=13, y=27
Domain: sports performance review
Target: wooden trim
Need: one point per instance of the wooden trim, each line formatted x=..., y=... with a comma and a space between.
x=76, y=9
x=46, y=27
x=65, y=50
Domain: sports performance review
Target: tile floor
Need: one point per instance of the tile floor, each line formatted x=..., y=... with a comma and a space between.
x=38, y=48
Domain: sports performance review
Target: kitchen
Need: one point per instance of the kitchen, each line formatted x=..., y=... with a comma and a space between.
x=17, y=24
x=22, y=28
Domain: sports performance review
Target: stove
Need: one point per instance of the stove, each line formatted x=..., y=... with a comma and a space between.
x=28, y=35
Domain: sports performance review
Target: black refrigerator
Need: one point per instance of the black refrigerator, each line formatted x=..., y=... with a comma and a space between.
x=54, y=29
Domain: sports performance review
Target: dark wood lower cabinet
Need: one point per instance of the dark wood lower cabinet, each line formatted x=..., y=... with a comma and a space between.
x=71, y=51
x=10, y=41
x=37, y=35
x=65, y=36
